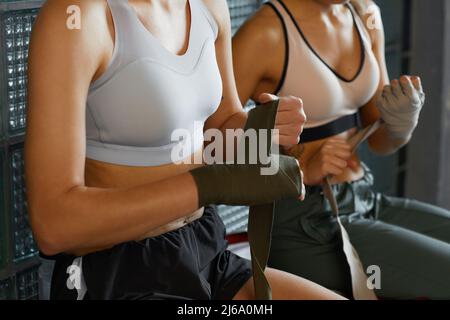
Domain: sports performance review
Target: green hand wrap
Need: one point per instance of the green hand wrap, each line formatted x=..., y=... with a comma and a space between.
x=240, y=185
x=243, y=184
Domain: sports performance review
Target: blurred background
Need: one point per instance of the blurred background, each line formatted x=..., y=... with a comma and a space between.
x=417, y=42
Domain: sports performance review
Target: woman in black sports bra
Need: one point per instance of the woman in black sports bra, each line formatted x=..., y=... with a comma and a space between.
x=331, y=54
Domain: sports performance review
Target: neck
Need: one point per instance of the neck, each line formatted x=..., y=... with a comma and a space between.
x=312, y=8
x=159, y=3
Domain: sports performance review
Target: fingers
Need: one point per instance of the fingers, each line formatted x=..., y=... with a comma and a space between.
x=290, y=109
x=352, y=164
x=290, y=120
x=290, y=117
x=407, y=86
x=338, y=158
x=294, y=128
x=339, y=148
x=338, y=162
x=396, y=88
x=387, y=90
x=411, y=87
x=290, y=102
x=344, y=154
x=387, y=95
x=286, y=140
x=417, y=82
x=266, y=97
x=341, y=156
x=331, y=169
x=414, y=81
x=303, y=193
x=335, y=157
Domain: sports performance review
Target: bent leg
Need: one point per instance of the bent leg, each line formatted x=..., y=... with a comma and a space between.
x=286, y=286
x=305, y=242
x=324, y=264
x=412, y=265
x=417, y=216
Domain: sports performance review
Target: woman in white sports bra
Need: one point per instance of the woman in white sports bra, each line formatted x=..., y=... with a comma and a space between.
x=330, y=53
x=107, y=201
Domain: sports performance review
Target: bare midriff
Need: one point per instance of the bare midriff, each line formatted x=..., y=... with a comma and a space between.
x=105, y=175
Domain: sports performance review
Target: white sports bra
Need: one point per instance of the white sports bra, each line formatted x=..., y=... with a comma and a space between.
x=148, y=92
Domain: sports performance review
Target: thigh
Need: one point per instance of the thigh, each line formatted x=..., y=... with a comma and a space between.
x=286, y=286
x=305, y=242
x=227, y=274
x=324, y=264
x=412, y=265
x=416, y=216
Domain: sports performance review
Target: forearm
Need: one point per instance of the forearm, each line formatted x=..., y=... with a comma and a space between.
x=234, y=122
x=383, y=143
x=89, y=217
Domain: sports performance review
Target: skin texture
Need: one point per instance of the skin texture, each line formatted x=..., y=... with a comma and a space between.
x=328, y=25
x=80, y=206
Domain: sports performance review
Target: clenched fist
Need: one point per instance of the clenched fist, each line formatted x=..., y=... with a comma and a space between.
x=289, y=121
x=400, y=105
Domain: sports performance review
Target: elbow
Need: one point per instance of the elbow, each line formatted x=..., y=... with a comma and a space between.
x=47, y=244
x=385, y=150
x=386, y=147
x=52, y=220
x=50, y=236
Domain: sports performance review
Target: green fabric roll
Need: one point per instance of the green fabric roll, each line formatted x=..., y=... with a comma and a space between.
x=238, y=185
x=245, y=185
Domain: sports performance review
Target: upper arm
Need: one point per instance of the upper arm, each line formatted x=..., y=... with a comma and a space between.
x=230, y=103
x=62, y=63
x=249, y=64
x=253, y=66
x=374, y=26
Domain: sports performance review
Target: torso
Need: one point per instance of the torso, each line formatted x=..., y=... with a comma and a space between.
x=322, y=66
x=106, y=174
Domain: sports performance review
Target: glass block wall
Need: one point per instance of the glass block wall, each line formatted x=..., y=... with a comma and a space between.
x=18, y=253
x=240, y=10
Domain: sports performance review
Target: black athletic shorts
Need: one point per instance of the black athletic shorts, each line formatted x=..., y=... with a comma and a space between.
x=189, y=263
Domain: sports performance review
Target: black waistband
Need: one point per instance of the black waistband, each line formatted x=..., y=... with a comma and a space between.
x=331, y=129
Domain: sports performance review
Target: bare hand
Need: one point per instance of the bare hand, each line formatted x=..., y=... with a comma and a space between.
x=332, y=159
x=289, y=121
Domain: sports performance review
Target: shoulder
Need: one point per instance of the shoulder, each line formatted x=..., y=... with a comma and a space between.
x=363, y=6
x=55, y=17
x=219, y=11
x=370, y=14
x=264, y=26
x=62, y=8
x=57, y=38
x=263, y=30
x=73, y=25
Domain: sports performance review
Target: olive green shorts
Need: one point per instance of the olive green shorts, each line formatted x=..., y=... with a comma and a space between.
x=407, y=240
